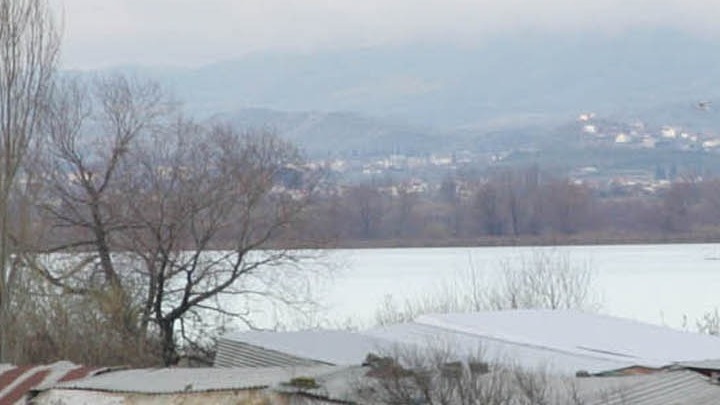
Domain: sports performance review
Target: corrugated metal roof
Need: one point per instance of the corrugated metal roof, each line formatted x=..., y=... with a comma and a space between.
x=17, y=381
x=264, y=348
x=239, y=354
x=665, y=388
x=341, y=384
x=183, y=380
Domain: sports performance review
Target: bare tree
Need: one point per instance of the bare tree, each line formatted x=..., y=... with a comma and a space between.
x=491, y=209
x=371, y=207
x=709, y=323
x=545, y=280
x=441, y=376
x=170, y=217
x=29, y=45
x=91, y=130
x=678, y=204
x=207, y=208
x=542, y=280
x=567, y=206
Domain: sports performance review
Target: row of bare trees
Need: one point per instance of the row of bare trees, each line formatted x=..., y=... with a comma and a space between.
x=512, y=204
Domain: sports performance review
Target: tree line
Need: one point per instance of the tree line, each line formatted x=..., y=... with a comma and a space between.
x=515, y=205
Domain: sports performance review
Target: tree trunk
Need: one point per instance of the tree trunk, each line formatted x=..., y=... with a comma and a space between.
x=167, y=339
x=6, y=282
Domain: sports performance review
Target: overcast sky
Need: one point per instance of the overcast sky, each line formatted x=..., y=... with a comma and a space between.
x=102, y=33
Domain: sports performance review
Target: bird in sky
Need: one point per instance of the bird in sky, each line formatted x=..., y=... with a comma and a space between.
x=703, y=105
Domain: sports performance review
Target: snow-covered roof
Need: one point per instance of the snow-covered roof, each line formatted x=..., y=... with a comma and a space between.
x=563, y=342
x=556, y=361
x=584, y=333
x=185, y=380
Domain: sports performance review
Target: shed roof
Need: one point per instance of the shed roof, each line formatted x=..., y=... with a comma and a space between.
x=585, y=333
x=554, y=360
x=680, y=387
x=561, y=341
x=184, y=380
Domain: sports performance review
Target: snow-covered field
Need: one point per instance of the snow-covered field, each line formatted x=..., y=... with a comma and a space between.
x=664, y=284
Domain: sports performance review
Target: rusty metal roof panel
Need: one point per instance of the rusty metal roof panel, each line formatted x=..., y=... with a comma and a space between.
x=16, y=382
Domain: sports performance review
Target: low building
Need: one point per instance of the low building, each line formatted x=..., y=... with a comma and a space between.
x=563, y=342
x=269, y=385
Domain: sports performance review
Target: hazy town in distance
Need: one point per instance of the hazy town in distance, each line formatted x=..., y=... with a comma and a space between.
x=359, y=202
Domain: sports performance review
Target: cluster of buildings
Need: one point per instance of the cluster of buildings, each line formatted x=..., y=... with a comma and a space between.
x=398, y=162
x=576, y=358
x=638, y=135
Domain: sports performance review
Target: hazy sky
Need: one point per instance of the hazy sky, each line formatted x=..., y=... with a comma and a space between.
x=195, y=32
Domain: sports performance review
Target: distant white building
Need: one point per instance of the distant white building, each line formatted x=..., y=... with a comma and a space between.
x=586, y=117
x=441, y=160
x=668, y=132
x=623, y=138
x=711, y=144
x=590, y=129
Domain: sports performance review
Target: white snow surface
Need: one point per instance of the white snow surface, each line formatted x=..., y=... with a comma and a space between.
x=584, y=333
x=183, y=380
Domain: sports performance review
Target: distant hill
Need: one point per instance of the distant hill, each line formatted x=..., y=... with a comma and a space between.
x=505, y=80
x=508, y=92
x=340, y=133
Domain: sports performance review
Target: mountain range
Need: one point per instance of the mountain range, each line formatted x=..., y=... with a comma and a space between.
x=422, y=97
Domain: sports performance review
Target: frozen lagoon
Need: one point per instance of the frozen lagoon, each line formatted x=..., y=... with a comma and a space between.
x=669, y=285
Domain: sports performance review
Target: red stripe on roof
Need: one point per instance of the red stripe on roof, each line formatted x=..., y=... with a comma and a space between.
x=77, y=373
x=19, y=391
x=29, y=378
x=11, y=375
